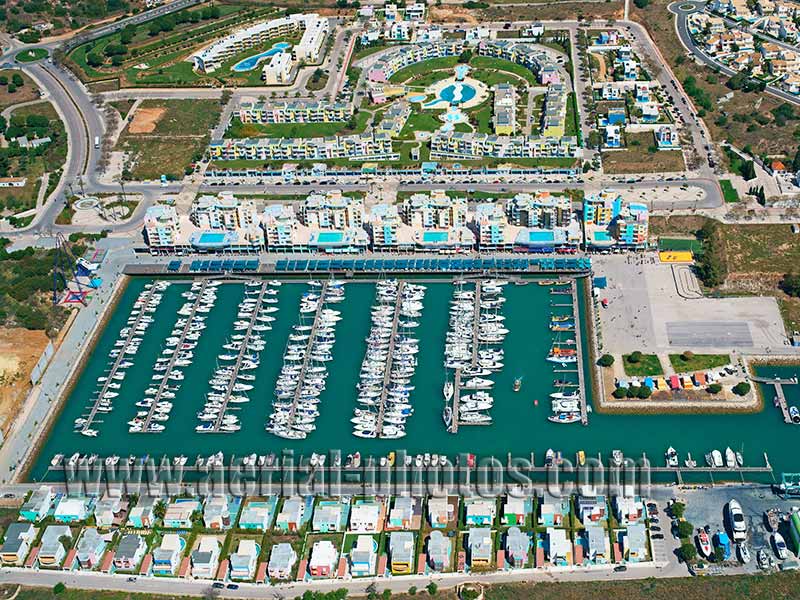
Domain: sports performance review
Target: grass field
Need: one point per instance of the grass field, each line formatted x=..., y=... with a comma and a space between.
x=31, y=55
x=238, y=129
x=406, y=73
x=426, y=120
x=179, y=137
x=729, y=193
x=648, y=365
x=680, y=245
x=699, y=362
x=636, y=157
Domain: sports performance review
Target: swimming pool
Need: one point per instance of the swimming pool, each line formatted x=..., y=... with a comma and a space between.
x=461, y=71
x=417, y=98
x=211, y=238
x=251, y=62
x=458, y=93
x=329, y=237
x=434, y=236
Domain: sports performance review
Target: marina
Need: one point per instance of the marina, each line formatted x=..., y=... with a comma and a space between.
x=521, y=392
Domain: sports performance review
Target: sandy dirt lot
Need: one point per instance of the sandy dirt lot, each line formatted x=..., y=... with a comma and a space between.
x=19, y=351
x=145, y=119
x=452, y=14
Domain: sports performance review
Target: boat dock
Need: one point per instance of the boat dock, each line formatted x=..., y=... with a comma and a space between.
x=456, y=400
x=780, y=397
x=398, y=303
x=579, y=349
x=307, y=356
x=173, y=357
x=476, y=319
x=118, y=360
x=242, y=353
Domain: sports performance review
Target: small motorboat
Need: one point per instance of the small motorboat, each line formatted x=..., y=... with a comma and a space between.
x=704, y=543
x=794, y=413
x=616, y=458
x=743, y=552
x=730, y=458
x=772, y=518
x=448, y=390
x=581, y=458
x=779, y=545
x=672, y=457
x=690, y=462
x=762, y=558
x=517, y=384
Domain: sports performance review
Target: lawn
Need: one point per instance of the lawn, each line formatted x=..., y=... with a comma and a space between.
x=422, y=120
x=490, y=62
x=238, y=129
x=406, y=73
x=182, y=117
x=699, y=362
x=637, y=157
x=31, y=55
x=648, y=366
x=692, y=245
x=729, y=193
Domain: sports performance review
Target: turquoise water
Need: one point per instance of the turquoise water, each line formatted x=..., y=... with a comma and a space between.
x=211, y=238
x=329, y=237
x=458, y=93
x=417, y=98
x=519, y=426
x=434, y=236
x=541, y=236
x=251, y=62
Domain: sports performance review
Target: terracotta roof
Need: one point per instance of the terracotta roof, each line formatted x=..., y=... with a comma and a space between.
x=421, y=564
x=342, y=570
x=382, y=559
x=183, y=570
x=222, y=570
x=32, y=556
x=778, y=166
x=146, y=562
x=501, y=559
x=70, y=559
x=261, y=574
x=301, y=570
x=105, y=565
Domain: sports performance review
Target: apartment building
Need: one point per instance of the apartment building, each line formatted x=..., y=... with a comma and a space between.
x=363, y=146
x=278, y=70
x=504, y=119
x=161, y=226
x=455, y=144
x=294, y=111
x=313, y=29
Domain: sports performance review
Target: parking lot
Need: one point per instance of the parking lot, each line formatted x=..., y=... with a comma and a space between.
x=647, y=312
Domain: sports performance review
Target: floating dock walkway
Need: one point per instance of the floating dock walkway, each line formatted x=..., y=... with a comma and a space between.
x=398, y=304
x=579, y=348
x=780, y=397
x=307, y=356
x=476, y=319
x=173, y=357
x=239, y=359
x=118, y=360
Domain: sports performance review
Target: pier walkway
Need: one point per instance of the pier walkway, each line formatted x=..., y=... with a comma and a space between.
x=307, y=356
x=390, y=357
x=240, y=358
x=173, y=357
x=579, y=348
x=476, y=320
x=780, y=397
x=90, y=418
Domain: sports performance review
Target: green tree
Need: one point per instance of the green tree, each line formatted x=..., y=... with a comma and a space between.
x=606, y=360
x=160, y=509
x=688, y=552
x=677, y=509
x=687, y=356
x=17, y=80
x=644, y=392
x=719, y=554
x=59, y=588
x=11, y=88
x=465, y=56
x=685, y=529
x=714, y=388
x=94, y=60
x=432, y=588
x=635, y=357
x=791, y=284
x=620, y=393
x=741, y=389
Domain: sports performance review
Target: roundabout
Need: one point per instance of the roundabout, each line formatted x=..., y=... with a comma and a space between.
x=31, y=55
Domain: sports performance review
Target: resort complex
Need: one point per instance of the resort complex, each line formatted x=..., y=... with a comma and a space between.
x=398, y=298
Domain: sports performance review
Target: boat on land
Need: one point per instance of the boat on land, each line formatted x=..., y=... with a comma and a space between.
x=704, y=543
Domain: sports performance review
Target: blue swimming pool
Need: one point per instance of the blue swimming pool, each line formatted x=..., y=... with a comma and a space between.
x=541, y=236
x=251, y=62
x=211, y=238
x=329, y=237
x=458, y=93
x=434, y=236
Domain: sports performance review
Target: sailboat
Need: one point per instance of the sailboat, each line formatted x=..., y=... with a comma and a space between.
x=448, y=390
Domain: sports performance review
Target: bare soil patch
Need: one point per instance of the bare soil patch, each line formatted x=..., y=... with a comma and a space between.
x=145, y=119
x=20, y=349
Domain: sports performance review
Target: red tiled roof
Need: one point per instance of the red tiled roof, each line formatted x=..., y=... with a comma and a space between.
x=341, y=571
x=421, y=564
x=578, y=554
x=617, y=553
x=222, y=569
x=70, y=559
x=184, y=568
x=301, y=570
x=261, y=574
x=382, y=565
x=105, y=565
x=501, y=559
x=32, y=556
x=539, y=556
x=146, y=562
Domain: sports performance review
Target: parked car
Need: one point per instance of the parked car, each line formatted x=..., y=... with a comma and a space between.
x=620, y=569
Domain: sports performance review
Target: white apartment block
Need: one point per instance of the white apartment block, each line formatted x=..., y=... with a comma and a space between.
x=278, y=70
x=223, y=211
